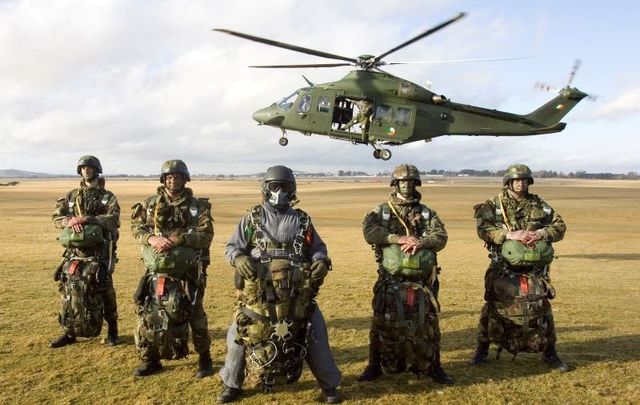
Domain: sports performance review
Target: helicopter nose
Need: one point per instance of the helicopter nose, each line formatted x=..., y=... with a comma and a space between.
x=268, y=116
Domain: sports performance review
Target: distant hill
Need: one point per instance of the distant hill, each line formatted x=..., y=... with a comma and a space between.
x=23, y=174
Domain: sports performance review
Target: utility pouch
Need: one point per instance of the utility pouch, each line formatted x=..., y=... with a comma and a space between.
x=90, y=236
x=420, y=265
x=517, y=253
x=177, y=262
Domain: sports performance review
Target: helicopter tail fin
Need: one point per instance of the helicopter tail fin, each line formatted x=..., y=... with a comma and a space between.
x=552, y=112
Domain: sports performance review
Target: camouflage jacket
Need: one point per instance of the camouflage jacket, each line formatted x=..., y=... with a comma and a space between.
x=98, y=205
x=382, y=227
x=531, y=213
x=186, y=217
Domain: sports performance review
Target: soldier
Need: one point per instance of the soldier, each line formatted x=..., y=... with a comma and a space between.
x=90, y=204
x=363, y=117
x=517, y=215
x=406, y=235
x=280, y=263
x=175, y=230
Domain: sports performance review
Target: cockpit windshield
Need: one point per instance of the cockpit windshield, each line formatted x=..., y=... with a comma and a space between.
x=286, y=103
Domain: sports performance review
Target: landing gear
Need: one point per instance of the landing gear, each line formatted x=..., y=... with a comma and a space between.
x=283, y=141
x=384, y=154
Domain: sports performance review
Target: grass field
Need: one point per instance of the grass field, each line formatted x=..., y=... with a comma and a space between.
x=596, y=275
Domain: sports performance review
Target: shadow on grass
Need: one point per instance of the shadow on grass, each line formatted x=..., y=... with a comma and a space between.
x=364, y=322
x=604, y=256
x=577, y=354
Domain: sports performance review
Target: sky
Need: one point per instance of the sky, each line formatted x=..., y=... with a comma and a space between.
x=139, y=82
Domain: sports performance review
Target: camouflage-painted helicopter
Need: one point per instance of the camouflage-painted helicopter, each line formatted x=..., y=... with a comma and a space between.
x=370, y=106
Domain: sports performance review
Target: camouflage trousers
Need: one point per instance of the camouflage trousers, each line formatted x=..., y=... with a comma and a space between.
x=482, y=335
x=199, y=325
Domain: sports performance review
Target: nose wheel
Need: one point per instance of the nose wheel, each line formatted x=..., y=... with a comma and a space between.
x=384, y=154
x=283, y=141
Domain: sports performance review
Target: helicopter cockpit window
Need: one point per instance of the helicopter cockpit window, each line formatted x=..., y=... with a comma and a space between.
x=286, y=103
x=383, y=113
x=324, y=105
x=305, y=104
x=403, y=116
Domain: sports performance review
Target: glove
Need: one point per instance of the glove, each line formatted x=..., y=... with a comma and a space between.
x=246, y=268
x=319, y=270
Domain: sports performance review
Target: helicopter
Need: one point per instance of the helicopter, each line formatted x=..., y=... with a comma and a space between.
x=371, y=106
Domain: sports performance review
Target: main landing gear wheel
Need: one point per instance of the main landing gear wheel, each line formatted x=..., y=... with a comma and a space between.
x=385, y=154
x=283, y=141
x=376, y=153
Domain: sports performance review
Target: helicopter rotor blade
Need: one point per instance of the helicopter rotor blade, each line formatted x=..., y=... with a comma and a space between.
x=420, y=36
x=286, y=46
x=544, y=87
x=312, y=65
x=576, y=66
x=456, y=60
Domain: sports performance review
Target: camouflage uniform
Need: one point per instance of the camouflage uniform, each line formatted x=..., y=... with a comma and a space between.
x=175, y=221
x=404, y=217
x=98, y=206
x=529, y=213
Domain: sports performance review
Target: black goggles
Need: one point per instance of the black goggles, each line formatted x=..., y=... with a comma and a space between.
x=281, y=185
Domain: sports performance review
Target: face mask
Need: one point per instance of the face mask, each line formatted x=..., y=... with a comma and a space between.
x=278, y=198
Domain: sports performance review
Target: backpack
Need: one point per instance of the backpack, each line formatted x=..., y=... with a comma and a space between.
x=518, y=313
x=164, y=317
x=82, y=306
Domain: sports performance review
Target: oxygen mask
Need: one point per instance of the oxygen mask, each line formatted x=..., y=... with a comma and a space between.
x=279, y=194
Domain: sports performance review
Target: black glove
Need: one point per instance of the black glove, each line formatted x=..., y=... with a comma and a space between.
x=245, y=266
x=319, y=270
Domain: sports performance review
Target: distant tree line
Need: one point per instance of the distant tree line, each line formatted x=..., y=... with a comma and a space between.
x=579, y=174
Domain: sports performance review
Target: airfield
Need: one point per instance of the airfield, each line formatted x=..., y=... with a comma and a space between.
x=596, y=275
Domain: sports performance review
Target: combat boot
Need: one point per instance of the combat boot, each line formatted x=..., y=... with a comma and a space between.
x=437, y=374
x=148, y=367
x=229, y=394
x=205, y=365
x=331, y=396
x=62, y=341
x=550, y=356
x=374, y=368
x=480, y=354
x=112, y=338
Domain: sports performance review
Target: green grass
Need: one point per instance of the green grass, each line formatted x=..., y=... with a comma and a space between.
x=596, y=275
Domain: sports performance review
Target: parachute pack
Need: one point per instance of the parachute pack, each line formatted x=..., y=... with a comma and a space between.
x=81, y=294
x=518, y=313
x=164, y=316
x=406, y=315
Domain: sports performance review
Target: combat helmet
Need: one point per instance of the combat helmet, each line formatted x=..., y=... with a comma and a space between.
x=517, y=171
x=405, y=172
x=91, y=161
x=280, y=174
x=174, y=166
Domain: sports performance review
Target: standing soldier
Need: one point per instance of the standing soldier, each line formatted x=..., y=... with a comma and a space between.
x=405, y=235
x=81, y=212
x=518, y=228
x=175, y=230
x=280, y=262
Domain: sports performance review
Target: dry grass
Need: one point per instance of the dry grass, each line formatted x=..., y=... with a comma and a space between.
x=596, y=276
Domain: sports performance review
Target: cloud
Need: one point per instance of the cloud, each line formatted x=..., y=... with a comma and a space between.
x=138, y=82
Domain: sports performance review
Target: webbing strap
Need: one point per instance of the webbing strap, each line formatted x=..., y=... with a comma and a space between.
x=504, y=214
x=254, y=315
x=406, y=228
x=399, y=303
x=160, y=286
x=421, y=308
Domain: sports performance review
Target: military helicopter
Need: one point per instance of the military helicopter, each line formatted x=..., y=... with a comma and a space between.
x=371, y=106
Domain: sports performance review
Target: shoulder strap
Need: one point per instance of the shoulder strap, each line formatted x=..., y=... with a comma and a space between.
x=504, y=214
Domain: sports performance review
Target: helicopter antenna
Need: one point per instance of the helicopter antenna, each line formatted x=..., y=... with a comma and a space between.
x=307, y=80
